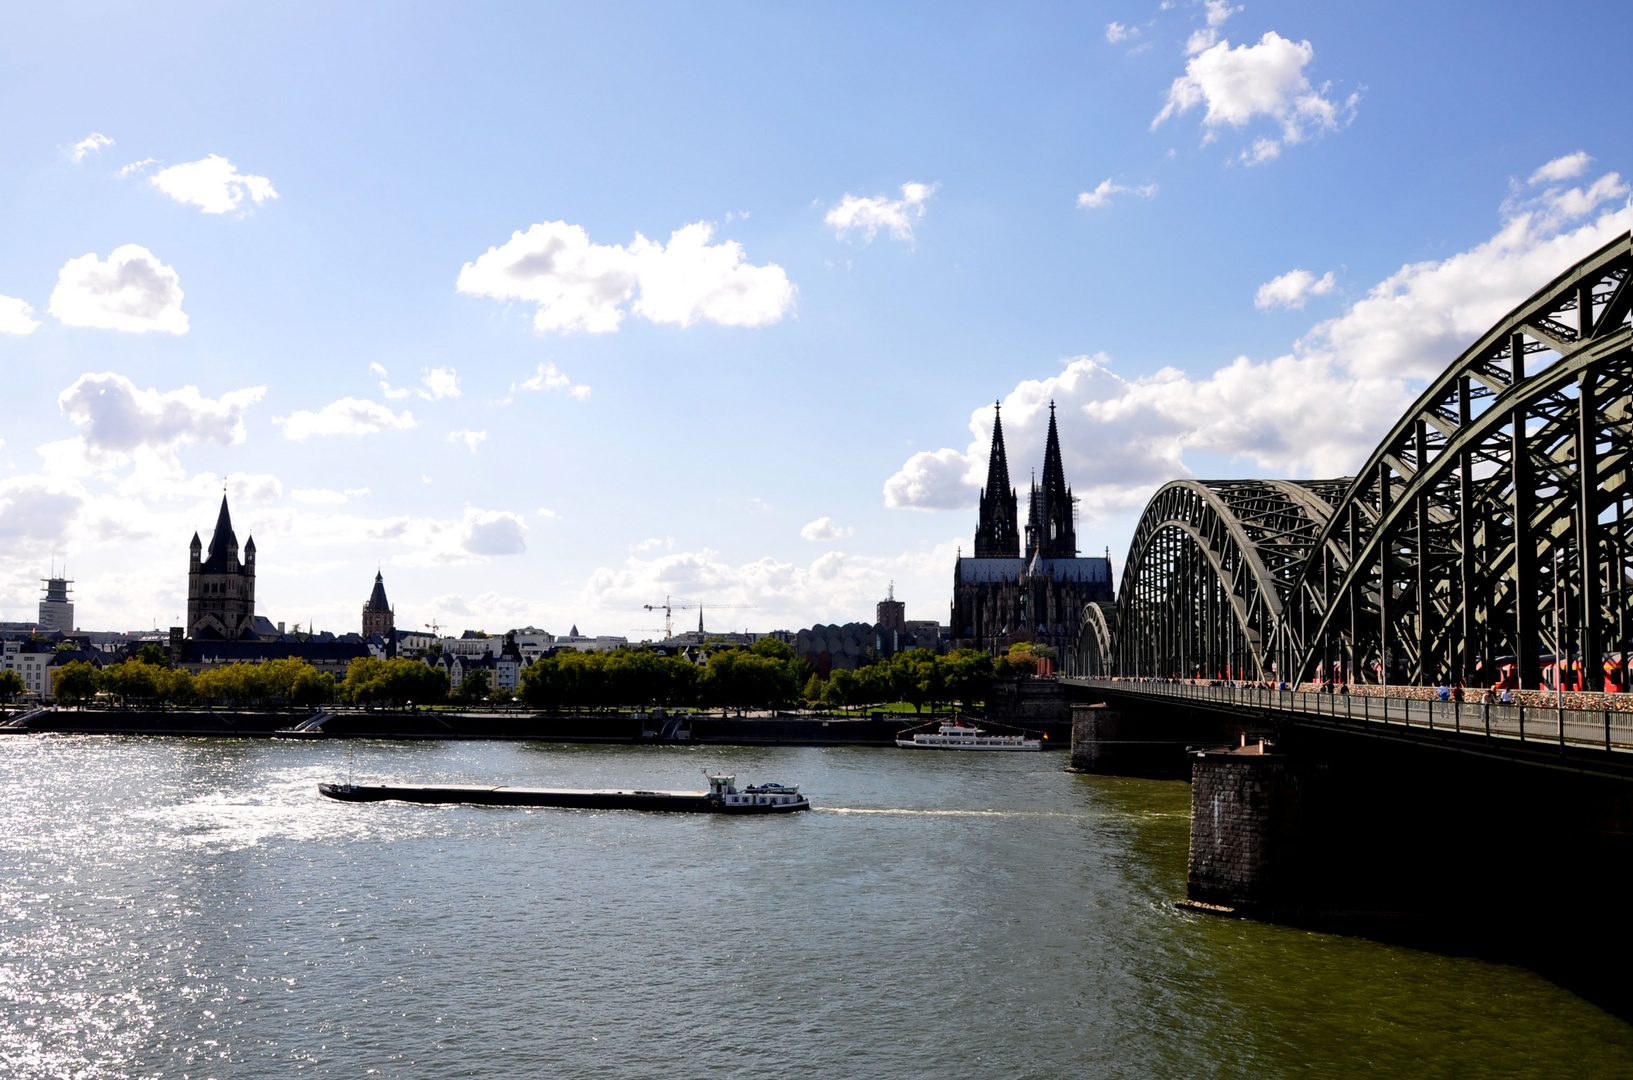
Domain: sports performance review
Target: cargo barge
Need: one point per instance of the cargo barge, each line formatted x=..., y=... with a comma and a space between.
x=723, y=797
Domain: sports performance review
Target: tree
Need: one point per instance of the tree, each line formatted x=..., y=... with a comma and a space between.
x=152, y=654
x=813, y=688
x=840, y=692
x=919, y=677
x=177, y=686
x=776, y=650
x=75, y=681
x=133, y=682
x=741, y=679
x=11, y=683
x=473, y=687
x=967, y=675
x=393, y=682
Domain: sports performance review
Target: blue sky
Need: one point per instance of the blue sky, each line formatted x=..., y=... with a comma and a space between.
x=1132, y=208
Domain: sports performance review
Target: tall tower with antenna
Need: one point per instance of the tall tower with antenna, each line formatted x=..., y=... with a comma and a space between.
x=56, y=609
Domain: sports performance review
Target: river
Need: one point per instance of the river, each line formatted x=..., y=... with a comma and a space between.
x=192, y=908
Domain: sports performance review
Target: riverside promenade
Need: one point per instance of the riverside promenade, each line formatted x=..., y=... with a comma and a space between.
x=765, y=729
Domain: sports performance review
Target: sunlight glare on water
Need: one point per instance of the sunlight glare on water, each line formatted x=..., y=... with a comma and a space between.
x=193, y=908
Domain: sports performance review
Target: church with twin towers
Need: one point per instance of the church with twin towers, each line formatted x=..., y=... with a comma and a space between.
x=1002, y=596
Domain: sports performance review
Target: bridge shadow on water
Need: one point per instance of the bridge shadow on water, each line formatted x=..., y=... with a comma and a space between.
x=1430, y=850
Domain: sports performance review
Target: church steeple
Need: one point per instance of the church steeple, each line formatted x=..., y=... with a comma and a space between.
x=996, y=535
x=1051, y=527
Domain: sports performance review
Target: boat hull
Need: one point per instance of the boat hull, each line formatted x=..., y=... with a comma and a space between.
x=681, y=802
x=909, y=744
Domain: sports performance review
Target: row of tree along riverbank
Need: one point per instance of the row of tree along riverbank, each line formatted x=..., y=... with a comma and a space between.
x=790, y=729
x=767, y=676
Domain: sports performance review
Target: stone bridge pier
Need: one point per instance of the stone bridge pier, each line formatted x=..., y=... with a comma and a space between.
x=1440, y=849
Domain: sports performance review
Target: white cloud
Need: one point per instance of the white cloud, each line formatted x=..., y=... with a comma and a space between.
x=1568, y=167
x=132, y=291
x=654, y=543
x=440, y=382
x=1216, y=11
x=16, y=316
x=549, y=378
x=348, y=416
x=471, y=439
x=318, y=496
x=1121, y=437
x=1415, y=321
x=1101, y=196
x=1316, y=411
x=834, y=587
x=1116, y=31
x=1292, y=289
x=582, y=286
x=1261, y=151
x=137, y=166
x=1266, y=79
x=933, y=480
x=92, y=143
x=493, y=532
x=546, y=512
x=823, y=530
x=212, y=183
x=253, y=487
x=881, y=212
x=115, y=417
x=31, y=511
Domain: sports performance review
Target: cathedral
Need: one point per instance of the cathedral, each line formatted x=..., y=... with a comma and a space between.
x=220, y=589
x=1000, y=597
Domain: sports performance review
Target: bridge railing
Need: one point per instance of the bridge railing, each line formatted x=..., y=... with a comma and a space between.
x=1608, y=729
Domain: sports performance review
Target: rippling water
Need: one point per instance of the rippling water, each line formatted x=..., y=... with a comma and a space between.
x=191, y=908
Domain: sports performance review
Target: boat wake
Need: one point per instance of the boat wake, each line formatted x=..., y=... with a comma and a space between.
x=904, y=812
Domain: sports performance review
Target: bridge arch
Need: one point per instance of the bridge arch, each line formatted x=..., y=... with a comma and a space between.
x=1436, y=561
x=1209, y=572
x=1095, y=653
x=1517, y=455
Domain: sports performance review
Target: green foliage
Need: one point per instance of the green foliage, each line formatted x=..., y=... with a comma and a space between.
x=130, y=683
x=742, y=679
x=593, y=680
x=74, y=681
x=1022, y=659
x=776, y=650
x=11, y=684
x=917, y=676
x=152, y=654
x=290, y=681
x=813, y=688
x=473, y=687
x=393, y=682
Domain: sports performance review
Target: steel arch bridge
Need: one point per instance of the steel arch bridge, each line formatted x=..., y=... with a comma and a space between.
x=1437, y=560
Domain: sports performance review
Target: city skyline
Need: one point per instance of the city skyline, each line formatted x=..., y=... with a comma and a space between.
x=483, y=300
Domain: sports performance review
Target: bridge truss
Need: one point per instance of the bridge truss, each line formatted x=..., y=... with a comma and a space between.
x=1437, y=560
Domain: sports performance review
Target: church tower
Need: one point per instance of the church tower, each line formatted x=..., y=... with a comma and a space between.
x=378, y=618
x=220, y=588
x=1051, y=530
x=996, y=536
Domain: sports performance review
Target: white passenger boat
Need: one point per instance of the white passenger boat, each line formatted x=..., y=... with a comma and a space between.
x=957, y=736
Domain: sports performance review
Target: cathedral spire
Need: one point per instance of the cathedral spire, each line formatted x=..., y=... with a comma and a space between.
x=1051, y=525
x=996, y=535
x=1054, y=474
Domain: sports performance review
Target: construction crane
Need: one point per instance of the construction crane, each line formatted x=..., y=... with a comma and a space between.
x=669, y=607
